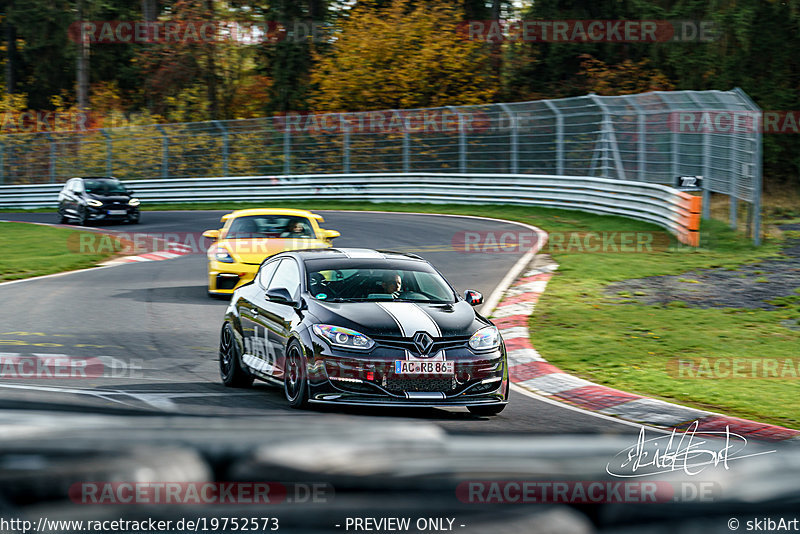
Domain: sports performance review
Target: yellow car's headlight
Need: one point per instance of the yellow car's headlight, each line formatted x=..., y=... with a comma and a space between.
x=220, y=254
x=94, y=203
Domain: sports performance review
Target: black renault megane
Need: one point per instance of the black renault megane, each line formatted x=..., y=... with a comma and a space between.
x=363, y=327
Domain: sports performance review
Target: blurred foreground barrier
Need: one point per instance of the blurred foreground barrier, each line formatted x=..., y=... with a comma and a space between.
x=664, y=206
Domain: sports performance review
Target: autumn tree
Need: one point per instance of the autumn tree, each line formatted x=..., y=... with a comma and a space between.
x=626, y=78
x=402, y=56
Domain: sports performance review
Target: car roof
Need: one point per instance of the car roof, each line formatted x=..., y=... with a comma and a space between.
x=97, y=178
x=351, y=253
x=273, y=211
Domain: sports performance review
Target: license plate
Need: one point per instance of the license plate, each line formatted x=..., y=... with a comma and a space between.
x=407, y=367
x=117, y=212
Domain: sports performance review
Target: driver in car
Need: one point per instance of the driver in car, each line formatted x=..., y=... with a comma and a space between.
x=392, y=284
x=294, y=229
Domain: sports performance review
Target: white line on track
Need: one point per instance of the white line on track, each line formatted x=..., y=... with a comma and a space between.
x=586, y=412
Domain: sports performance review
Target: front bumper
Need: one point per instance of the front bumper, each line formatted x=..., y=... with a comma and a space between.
x=224, y=278
x=112, y=213
x=345, y=377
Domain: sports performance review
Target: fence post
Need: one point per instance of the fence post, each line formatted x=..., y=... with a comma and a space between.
x=641, y=148
x=706, y=211
x=757, y=162
x=287, y=148
x=733, y=173
x=52, y=164
x=406, y=145
x=109, y=152
x=559, y=137
x=345, y=143
x=609, y=140
x=2, y=162
x=462, y=141
x=514, y=148
x=757, y=177
x=164, y=152
x=221, y=128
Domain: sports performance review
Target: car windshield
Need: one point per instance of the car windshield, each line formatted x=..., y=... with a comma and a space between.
x=273, y=226
x=379, y=283
x=104, y=187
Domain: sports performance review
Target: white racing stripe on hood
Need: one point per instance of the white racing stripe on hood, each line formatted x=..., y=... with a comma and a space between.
x=411, y=318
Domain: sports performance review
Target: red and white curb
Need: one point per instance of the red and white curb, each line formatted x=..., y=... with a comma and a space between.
x=172, y=250
x=529, y=370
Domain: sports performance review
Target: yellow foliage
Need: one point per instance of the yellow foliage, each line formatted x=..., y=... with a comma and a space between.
x=402, y=56
x=14, y=103
x=624, y=78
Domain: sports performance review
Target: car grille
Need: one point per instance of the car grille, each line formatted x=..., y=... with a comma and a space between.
x=407, y=343
x=399, y=385
x=227, y=282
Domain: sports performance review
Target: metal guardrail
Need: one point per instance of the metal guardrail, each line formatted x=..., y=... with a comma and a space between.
x=649, y=137
x=662, y=205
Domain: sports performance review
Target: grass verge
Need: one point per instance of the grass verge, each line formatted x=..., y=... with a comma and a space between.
x=631, y=346
x=33, y=250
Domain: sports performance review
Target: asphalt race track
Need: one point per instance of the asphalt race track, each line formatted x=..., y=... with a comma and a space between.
x=156, y=332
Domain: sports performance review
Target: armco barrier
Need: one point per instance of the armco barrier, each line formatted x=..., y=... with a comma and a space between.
x=676, y=211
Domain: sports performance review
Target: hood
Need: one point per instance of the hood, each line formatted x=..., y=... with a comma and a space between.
x=400, y=319
x=115, y=197
x=255, y=250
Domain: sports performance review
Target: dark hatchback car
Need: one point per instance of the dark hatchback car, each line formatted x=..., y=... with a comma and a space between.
x=363, y=327
x=97, y=199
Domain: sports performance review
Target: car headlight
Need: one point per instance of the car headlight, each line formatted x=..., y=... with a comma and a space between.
x=94, y=203
x=220, y=254
x=134, y=202
x=487, y=338
x=343, y=337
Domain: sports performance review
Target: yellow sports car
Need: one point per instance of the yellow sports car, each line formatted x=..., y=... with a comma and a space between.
x=249, y=236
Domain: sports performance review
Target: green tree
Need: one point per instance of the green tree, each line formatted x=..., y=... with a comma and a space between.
x=402, y=57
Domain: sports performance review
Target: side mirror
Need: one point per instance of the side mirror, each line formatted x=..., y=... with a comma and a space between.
x=281, y=295
x=473, y=298
x=211, y=234
x=329, y=234
x=131, y=192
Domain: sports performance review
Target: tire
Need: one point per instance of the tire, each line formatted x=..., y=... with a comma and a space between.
x=230, y=365
x=488, y=411
x=62, y=219
x=134, y=220
x=295, y=378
